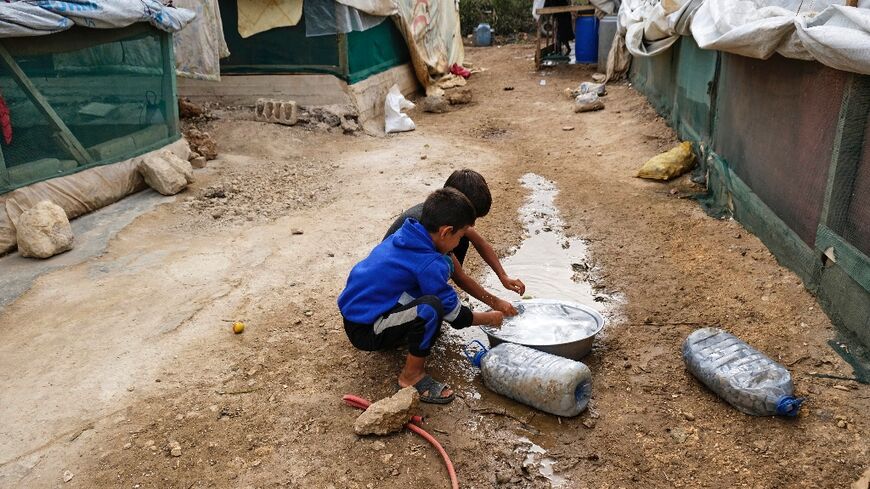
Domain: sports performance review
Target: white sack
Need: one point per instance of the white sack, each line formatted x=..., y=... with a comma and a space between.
x=394, y=119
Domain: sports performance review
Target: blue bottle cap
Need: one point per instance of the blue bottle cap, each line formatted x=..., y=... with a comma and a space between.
x=789, y=405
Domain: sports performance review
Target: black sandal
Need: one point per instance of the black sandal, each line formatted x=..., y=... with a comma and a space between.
x=430, y=385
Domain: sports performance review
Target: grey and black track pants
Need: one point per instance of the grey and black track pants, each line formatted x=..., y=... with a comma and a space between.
x=417, y=324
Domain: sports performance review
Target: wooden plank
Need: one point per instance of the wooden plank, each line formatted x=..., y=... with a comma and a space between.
x=578, y=9
x=846, y=154
x=343, y=61
x=246, y=89
x=67, y=138
x=74, y=39
x=846, y=256
x=170, y=90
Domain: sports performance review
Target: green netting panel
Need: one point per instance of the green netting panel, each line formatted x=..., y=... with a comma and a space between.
x=83, y=98
x=655, y=77
x=280, y=50
x=375, y=50
x=696, y=72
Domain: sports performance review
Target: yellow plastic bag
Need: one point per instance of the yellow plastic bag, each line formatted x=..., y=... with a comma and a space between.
x=669, y=164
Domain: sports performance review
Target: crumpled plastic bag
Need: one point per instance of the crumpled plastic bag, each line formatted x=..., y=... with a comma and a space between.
x=588, y=102
x=588, y=87
x=669, y=164
x=394, y=119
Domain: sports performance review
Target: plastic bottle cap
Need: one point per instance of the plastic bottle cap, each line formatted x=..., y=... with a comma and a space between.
x=789, y=405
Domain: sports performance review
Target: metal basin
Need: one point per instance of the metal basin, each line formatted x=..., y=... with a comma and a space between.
x=562, y=328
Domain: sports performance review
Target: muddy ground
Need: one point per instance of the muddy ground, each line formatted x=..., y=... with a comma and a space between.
x=105, y=363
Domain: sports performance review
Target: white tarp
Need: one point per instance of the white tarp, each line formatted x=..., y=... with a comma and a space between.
x=200, y=46
x=823, y=30
x=32, y=17
x=381, y=8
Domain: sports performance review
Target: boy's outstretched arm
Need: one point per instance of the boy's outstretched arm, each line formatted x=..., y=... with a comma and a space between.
x=488, y=254
x=475, y=290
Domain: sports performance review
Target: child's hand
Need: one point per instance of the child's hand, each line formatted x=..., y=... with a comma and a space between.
x=495, y=318
x=505, y=307
x=514, y=285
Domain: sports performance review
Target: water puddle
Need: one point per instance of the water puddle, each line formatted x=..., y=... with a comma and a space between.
x=536, y=457
x=551, y=264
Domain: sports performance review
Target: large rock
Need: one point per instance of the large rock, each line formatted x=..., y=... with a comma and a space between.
x=43, y=231
x=183, y=166
x=388, y=415
x=161, y=175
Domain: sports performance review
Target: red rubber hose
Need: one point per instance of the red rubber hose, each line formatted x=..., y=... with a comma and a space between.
x=360, y=403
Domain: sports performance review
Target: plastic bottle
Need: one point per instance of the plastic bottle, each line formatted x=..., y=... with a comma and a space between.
x=544, y=381
x=740, y=374
x=483, y=35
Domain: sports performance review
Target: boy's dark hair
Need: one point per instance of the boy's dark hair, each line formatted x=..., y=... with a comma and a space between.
x=447, y=207
x=473, y=186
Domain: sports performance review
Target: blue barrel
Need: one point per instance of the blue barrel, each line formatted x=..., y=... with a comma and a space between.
x=586, y=39
x=483, y=35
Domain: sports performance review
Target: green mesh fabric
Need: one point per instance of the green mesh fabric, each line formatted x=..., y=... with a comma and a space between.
x=375, y=50
x=288, y=50
x=111, y=92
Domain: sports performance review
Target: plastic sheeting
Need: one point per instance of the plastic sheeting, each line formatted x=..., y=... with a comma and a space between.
x=824, y=30
x=383, y=8
x=200, y=46
x=431, y=30
x=77, y=194
x=35, y=17
x=328, y=17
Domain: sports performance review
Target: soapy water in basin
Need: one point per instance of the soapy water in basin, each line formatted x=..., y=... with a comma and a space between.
x=547, y=323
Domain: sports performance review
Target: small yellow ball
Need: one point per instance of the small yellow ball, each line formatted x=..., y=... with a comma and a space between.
x=238, y=327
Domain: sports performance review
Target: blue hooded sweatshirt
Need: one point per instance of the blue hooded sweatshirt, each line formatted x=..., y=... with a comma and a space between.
x=402, y=268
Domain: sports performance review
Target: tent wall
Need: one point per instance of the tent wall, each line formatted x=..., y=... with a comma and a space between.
x=83, y=98
x=784, y=144
x=353, y=57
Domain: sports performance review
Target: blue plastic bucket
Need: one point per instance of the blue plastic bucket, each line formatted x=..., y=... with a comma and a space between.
x=483, y=35
x=586, y=39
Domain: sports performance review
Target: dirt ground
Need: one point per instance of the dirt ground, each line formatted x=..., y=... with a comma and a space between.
x=104, y=364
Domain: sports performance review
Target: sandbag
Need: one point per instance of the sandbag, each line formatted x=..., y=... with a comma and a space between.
x=79, y=193
x=669, y=164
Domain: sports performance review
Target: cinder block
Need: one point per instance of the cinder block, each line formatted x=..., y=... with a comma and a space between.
x=277, y=111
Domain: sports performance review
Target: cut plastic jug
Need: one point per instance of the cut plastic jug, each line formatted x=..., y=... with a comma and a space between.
x=740, y=374
x=553, y=384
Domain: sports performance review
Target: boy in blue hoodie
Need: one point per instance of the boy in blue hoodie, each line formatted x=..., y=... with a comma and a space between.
x=399, y=294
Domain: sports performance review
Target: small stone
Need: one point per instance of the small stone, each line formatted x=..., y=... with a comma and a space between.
x=127, y=445
x=765, y=298
x=589, y=423
x=67, y=476
x=388, y=415
x=387, y=457
x=679, y=435
x=218, y=213
x=131, y=389
x=43, y=231
x=503, y=476
x=841, y=424
x=199, y=162
x=296, y=231
x=599, y=153
x=423, y=157
x=567, y=128
x=689, y=416
x=437, y=105
x=459, y=97
x=174, y=448
x=394, y=472
x=309, y=313
x=378, y=446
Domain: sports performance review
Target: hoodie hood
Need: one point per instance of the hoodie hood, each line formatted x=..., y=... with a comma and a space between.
x=413, y=236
